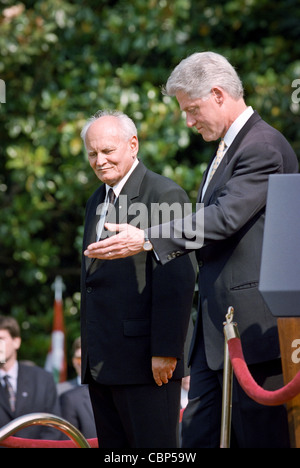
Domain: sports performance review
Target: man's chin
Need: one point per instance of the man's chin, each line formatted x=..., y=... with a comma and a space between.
x=208, y=138
x=105, y=178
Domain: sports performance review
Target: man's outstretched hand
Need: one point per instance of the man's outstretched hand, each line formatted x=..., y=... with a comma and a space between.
x=129, y=241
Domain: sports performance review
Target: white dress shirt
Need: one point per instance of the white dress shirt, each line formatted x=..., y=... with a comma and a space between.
x=230, y=135
x=13, y=376
x=117, y=190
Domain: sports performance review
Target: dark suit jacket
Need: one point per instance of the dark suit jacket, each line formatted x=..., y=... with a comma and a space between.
x=229, y=260
x=67, y=385
x=76, y=408
x=36, y=393
x=133, y=308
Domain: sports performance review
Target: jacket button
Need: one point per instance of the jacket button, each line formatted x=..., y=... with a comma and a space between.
x=200, y=263
x=89, y=290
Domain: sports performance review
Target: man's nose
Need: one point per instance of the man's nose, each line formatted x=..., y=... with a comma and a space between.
x=190, y=120
x=101, y=159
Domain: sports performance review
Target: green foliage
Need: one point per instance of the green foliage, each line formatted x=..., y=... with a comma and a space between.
x=62, y=60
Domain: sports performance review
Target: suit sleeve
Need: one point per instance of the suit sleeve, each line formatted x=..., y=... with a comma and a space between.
x=172, y=295
x=232, y=205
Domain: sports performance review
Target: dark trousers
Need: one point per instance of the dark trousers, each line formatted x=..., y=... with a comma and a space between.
x=253, y=425
x=136, y=416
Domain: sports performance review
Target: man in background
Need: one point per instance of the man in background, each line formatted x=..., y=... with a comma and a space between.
x=24, y=388
x=134, y=312
x=76, y=361
x=75, y=400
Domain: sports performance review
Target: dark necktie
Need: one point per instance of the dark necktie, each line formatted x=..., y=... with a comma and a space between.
x=10, y=393
x=111, y=196
x=110, y=203
x=111, y=200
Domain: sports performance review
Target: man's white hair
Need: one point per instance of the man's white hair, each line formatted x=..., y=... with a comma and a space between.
x=127, y=125
x=200, y=72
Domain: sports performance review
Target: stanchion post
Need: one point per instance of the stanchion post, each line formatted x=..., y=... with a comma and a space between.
x=226, y=400
x=230, y=331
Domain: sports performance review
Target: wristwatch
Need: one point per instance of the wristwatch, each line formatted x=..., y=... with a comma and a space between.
x=147, y=244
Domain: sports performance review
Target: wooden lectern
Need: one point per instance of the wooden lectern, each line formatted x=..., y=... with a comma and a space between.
x=289, y=336
x=280, y=279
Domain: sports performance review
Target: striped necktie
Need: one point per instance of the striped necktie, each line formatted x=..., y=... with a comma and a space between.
x=218, y=158
x=10, y=393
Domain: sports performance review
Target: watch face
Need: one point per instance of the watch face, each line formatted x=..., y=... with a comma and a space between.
x=147, y=245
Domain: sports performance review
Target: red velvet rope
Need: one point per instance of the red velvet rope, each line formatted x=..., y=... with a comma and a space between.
x=241, y=371
x=253, y=390
x=18, y=442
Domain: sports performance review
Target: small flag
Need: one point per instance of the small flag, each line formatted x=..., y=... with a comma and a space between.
x=56, y=361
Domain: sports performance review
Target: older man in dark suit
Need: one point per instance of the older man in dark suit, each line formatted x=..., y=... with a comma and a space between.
x=228, y=242
x=135, y=312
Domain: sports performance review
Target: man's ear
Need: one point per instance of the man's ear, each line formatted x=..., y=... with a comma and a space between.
x=218, y=94
x=17, y=343
x=134, y=145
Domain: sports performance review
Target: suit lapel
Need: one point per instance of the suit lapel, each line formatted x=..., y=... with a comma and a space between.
x=91, y=223
x=92, y=219
x=204, y=179
x=4, y=401
x=255, y=117
x=214, y=180
x=23, y=389
x=129, y=193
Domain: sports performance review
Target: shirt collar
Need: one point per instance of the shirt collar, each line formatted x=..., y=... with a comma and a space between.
x=13, y=374
x=237, y=125
x=118, y=187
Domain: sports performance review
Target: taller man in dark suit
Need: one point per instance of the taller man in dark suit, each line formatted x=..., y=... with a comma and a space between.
x=228, y=246
x=134, y=312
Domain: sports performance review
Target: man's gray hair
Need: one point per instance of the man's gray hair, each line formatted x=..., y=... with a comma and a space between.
x=127, y=125
x=200, y=72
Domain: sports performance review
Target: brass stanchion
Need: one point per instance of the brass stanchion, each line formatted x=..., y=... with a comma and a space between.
x=230, y=331
x=44, y=419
